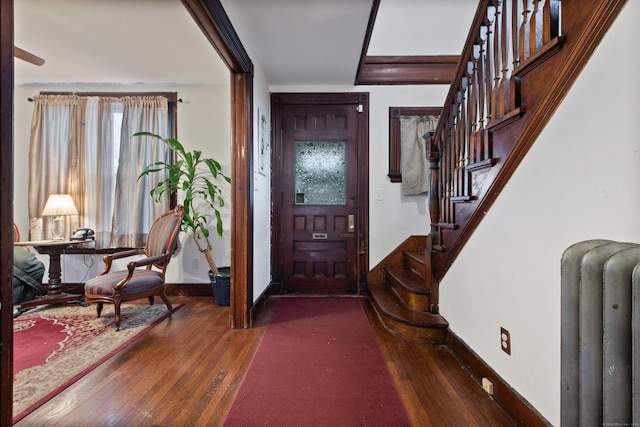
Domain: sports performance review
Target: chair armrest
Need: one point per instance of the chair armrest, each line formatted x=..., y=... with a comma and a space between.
x=147, y=261
x=108, y=259
x=124, y=254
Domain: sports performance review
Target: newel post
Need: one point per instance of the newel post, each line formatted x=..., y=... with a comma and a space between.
x=433, y=155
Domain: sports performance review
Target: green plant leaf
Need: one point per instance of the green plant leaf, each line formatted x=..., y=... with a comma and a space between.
x=196, y=177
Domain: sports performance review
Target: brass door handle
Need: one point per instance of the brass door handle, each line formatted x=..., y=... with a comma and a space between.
x=352, y=223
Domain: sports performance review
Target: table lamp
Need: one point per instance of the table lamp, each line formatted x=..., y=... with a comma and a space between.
x=58, y=206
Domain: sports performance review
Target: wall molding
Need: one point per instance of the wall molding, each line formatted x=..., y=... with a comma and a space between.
x=406, y=70
x=504, y=395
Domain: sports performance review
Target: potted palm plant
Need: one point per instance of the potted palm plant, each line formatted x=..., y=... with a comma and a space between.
x=198, y=180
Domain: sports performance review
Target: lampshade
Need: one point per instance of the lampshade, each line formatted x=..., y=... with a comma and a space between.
x=59, y=204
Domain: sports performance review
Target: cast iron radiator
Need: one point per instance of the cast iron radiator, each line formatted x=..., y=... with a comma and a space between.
x=600, y=354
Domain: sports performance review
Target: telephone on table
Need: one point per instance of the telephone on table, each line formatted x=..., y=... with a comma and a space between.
x=83, y=234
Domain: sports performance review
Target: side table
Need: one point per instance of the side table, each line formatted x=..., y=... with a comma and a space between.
x=54, y=248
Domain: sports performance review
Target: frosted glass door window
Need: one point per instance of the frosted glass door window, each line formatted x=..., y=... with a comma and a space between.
x=320, y=172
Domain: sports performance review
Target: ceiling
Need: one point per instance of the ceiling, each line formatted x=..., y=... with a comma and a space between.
x=154, y=42
x=294, y=42
x=303, y=41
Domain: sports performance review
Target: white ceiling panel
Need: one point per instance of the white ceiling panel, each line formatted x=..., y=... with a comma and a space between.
x=113, y=42
x=303, y=42
x=421, y=27
x=295, y=42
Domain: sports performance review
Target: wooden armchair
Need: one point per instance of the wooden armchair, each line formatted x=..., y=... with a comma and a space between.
x=134, y=283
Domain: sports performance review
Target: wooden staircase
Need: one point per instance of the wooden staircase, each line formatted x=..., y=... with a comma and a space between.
x=402, y=298
x=518, y=63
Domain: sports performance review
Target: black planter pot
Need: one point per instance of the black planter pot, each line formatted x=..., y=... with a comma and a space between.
x=220, y=284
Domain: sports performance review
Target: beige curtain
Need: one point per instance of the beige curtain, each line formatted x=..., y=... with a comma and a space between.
x=134, y=209
x=83, y=146
x=53, y=153
x=414, y=166
x=102, y=124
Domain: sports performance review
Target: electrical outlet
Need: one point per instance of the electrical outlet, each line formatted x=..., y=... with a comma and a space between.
x=195, y=263
x=505, y=341
x=487, y=386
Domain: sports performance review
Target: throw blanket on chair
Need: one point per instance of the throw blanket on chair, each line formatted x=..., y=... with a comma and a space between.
x=27, y=275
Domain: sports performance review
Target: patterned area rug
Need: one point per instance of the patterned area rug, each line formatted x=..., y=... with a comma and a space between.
x=55, y=346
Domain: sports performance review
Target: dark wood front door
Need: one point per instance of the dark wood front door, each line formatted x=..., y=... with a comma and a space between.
x=319, y=203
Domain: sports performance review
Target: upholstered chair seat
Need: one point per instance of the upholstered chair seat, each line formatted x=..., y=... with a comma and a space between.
x=140, y=281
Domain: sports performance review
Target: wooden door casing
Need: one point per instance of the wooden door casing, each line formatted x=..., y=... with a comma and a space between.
x=318, y=251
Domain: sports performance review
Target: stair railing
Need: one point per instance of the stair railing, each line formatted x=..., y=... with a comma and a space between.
x=507, y=39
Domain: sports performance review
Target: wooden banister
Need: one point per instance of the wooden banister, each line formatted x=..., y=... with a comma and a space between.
x=515, y=52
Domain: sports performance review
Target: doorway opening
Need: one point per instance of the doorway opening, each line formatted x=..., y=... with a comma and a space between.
x=320, y=192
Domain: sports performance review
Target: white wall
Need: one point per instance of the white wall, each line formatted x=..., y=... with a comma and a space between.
x=261, y=179
x=395, y=217
x=580, y=180
x=262, y=188
x=204, y=123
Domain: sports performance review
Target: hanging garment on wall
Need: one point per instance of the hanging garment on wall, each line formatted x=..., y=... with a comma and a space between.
x=413, y=153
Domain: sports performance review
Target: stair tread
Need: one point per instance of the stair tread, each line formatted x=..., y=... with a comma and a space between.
x=386, y=300
x=409, y=280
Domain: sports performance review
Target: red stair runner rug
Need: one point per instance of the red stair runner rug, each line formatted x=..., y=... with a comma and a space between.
x=54, y=346
x=318, y=364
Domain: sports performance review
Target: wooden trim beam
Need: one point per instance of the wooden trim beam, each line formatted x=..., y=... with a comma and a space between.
x=242, y=200
x=405, y=70
x=367, y=38
x=217, y=28
x=401, y=70
x=6, y=215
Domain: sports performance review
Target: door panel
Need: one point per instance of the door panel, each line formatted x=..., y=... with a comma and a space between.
x=319, y=198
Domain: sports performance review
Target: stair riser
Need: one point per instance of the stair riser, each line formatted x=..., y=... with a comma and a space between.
x=413, y=265
x=417, y=302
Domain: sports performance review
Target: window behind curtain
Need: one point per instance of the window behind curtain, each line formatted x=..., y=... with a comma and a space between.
x=77, y=147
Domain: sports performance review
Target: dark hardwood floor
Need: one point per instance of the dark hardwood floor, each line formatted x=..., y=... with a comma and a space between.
x=186, y=371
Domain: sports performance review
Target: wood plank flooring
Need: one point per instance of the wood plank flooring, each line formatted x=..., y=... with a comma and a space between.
x=186, y=371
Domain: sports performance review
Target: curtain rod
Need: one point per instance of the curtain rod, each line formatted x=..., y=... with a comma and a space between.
x=170, y=100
